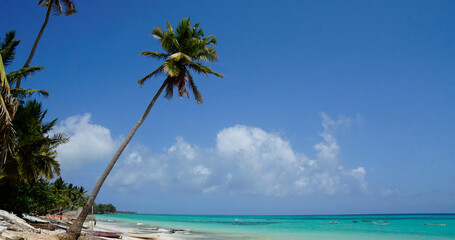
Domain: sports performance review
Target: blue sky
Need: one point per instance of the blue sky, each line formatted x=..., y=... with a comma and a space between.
x=327, y=107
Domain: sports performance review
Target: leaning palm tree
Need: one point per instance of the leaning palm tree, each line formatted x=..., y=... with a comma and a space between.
x=52, y=5
x=186, y=49
x=7, y=101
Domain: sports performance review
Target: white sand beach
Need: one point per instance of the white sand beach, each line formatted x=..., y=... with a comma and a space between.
x=114, y=227
x=15, y=228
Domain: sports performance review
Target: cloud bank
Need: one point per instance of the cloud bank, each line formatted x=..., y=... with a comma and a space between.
x=245, y=160
x=88, y=143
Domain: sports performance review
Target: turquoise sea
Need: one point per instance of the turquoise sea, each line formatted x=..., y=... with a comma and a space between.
x=328, y=227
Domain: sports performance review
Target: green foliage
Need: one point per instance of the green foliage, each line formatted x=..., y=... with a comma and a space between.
x=186, y=49
x=104, y=208
x=10, y=96
x=8, y=47
x=8, y=53
x=7, y=103
x=34, y=155
x=40, y=197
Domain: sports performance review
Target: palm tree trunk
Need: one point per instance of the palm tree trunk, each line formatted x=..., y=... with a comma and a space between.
x=74, y=231
x=35, y=44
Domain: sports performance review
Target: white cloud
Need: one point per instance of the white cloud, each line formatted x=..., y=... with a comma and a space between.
x=88, y=143
x=246, y=160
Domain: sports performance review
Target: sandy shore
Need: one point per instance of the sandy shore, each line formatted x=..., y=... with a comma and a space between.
x=113, y=227
x=15, y=228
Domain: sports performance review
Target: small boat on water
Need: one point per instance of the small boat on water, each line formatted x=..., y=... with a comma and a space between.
x=181, y=230
x=144, y=235
x=333, y=222
x=381, y=223
x=107, y=234
x=354, y=221
x=435, y=224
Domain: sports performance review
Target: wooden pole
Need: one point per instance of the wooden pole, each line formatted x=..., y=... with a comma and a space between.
x=93, y=220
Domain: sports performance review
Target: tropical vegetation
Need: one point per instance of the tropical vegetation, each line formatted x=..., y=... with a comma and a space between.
x=41, y=197
x=28, y=153
x=104, y=208
x=28, y=165
x=185, y=49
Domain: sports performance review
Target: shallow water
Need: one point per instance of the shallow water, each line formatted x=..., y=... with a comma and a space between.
x=294, y=227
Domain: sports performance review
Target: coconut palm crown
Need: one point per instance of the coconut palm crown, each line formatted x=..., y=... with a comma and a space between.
x=68, y=6
x=186, y=49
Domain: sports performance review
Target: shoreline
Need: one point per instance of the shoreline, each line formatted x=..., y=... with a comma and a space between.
x=117, y=227
x=206, y=227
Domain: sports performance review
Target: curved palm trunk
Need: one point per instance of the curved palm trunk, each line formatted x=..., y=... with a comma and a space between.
x=74, y=231
x=35, y=44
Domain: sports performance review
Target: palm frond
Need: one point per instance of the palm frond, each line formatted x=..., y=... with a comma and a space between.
x=70, y=8
x=57, y=7
x=210, y=40
x=169, y=90
x=170, y=43
x=184, y=30
x=157, y=71
x=8, y=48
x=156, y=55
x=197, y=33
x=169, y=28
x=179, y=56
x=46, y=127
x=157, y=33
x=27, y=92
x=44, y=3
x=59, y=138
x=197, y=94
x=22, y=73
x=6, y=99
x=172, y=68
x=199, y=68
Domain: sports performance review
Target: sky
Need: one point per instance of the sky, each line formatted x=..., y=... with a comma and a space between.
x=327, y=107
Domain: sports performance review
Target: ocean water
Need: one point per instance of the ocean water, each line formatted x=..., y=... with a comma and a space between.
x=406, y=226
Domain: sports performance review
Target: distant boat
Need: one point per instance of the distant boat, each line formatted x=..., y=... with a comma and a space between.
x=354, y=221
x=333, y=222
x=181, y=230
x=435, y=224
x=381, y=223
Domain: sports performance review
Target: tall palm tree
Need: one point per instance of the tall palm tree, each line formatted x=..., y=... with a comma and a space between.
x=52, y=5
x=35, y=154
x=8, y=51
x=186, y=49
